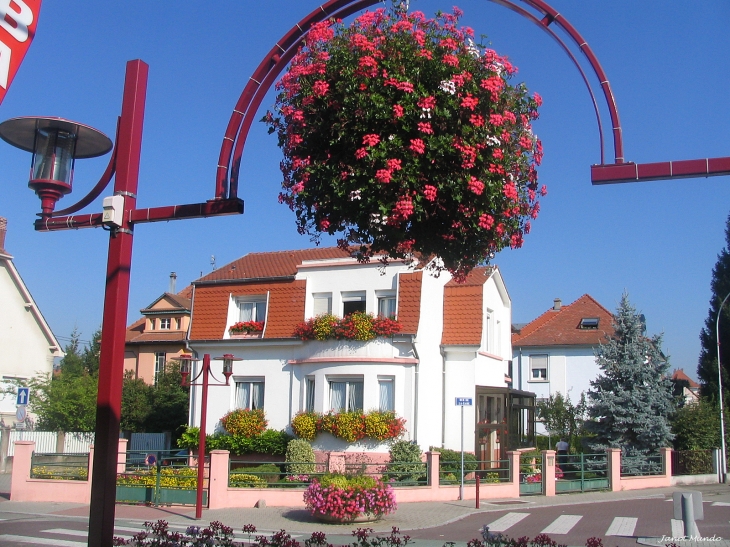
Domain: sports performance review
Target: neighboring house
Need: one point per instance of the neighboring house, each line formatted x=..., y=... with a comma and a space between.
x=455, y=342
x=160, y=336
x=555, y=353
x=685, y=387
x=28, y=345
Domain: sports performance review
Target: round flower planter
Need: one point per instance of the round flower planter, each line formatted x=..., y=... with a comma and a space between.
x=335, y=520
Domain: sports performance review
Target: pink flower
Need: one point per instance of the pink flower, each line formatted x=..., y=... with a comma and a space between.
x=397, y=110
x=360, y=153
x=370, y=140
x=426, y=53
x=404, y=207
x=477, y=120
x=394, y=164
x=497, y=153
x=324, y=224
x=509, y=116
x=543, y=190
x=496, y=119
x=429, y=192
x=469, y=102
x=451, y=60
x=425, y=127
x=405, y=86
x=538, y=99
x=476, y=186
x=320, y=88
x=427, y=102
x=510, y=191
x=417, y=146
x=383, y=175
x=526, y=142
x=486, y=221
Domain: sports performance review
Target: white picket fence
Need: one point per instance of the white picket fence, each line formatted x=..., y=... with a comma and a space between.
x=45, y=441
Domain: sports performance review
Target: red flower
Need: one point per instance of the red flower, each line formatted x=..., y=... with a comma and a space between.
x=425, y=127
x=429, y=192
x=394, y=164
x=476, y=186
x=418, y=146
x=451, y=60
x=427, y=102
x=320, y=88
x=383, y=175
x=469, y=102
x=370, y=140
x=397, y=110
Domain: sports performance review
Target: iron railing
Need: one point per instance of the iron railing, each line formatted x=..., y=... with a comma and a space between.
x=691, y=462
x=59, y=466
x=641, y=466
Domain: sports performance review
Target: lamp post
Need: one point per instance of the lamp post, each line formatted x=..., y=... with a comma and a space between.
x=55, y=144
x=185, y=371
x=723, y=453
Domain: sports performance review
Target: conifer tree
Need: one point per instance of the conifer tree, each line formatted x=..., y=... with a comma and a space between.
x=631, y=400
x=707, y=367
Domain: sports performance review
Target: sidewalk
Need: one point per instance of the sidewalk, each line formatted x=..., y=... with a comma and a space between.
x=409, y=516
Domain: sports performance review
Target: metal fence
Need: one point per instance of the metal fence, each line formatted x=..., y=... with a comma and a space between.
x=158, y=478
x=692, y=462
x=59, y=466
x=582, y=472
x=488, y=471
x=641, y=466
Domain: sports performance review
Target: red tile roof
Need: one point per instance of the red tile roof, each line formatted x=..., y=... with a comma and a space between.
x=680, y=375
x=270, y=264
x=463, y=304
x=562, y=327
x=210, y=308
x=409, y=301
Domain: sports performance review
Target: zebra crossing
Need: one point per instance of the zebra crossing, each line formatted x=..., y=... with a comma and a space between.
x=563, y=524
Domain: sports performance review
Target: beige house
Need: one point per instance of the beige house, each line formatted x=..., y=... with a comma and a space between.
x=29, y=346
x=160, y=335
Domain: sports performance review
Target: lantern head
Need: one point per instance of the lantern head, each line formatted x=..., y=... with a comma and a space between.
x=55, y=144
x=227, y=365
x=185, y=360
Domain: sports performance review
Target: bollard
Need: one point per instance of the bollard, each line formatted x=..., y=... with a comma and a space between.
x=477, y=485
x=688, y=508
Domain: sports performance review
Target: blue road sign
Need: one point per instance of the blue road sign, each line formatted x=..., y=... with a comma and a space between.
x=23, y=396
x=464, y=401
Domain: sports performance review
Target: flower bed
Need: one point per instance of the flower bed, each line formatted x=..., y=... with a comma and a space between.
x=349, y=426
x=342, y=498
x=403, y=135
x=355, y=326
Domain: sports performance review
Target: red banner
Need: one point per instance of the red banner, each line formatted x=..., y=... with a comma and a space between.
x=18, y=21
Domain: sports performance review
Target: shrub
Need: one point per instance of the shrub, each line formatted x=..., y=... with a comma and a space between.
x=269, y=472
x=245, y=480
x=405, y=462
x=305, y=425
x=245, y=422
x=300, y=452
x=349, y=426
x=450, y=462
x=170, y=477
x=347, y=497
x=383, y=425
x=269, y=442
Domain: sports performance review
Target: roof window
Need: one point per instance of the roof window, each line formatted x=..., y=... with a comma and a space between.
x=589, y=323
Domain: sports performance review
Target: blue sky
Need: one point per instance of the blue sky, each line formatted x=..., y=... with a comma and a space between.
x=658, y=241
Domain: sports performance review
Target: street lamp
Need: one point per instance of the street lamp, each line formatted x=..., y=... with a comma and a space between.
x=55, y=144
x=723, y=454
x=185, y=371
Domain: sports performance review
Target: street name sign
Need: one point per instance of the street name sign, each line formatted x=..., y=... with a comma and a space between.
x=464, y=401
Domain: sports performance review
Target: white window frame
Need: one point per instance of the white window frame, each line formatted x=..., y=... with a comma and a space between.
x=165, y=323
x=321, y=303
x=309, y=387
x=535, y=366
x=249, y=403
x=350, y=383
x=389, y=406
x=160, y=363
x=259, y=307
x=353, y=296
x=386, y=299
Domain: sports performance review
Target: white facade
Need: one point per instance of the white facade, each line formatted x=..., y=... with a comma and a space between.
x=425, y=373
x=570, y=370
x=29, y=346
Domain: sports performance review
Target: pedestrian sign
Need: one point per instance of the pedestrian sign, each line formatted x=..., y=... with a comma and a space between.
x=23, y=396
x=464, y=401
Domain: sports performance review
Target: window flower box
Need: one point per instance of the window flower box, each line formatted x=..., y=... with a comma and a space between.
x=246, y=329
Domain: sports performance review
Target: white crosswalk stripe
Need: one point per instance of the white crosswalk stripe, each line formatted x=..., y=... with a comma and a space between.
x=622, y=526
x=80, y=533
x=562, y=525
x=507, y=521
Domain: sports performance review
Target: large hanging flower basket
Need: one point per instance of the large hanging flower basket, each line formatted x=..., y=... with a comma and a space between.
x=403, y=135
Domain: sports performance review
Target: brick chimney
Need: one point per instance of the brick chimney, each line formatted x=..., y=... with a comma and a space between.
x=557, y=304
x=3, y=231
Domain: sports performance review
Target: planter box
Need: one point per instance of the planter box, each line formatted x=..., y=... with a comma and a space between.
x=531, y=488
x=576, y=485
x=167, y=496
x=247, y=335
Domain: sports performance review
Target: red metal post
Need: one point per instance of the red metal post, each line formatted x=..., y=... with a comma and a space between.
x=114, y=326
x=477, y=487
x=201, y=442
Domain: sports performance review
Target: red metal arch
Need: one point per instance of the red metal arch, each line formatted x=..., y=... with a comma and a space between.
x=279, y=56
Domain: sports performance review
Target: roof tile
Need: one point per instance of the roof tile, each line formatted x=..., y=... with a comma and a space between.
x=409, y=301
x=463, y=304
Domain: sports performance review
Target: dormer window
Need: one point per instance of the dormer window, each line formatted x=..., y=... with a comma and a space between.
x=589, y=323
x=252, y=309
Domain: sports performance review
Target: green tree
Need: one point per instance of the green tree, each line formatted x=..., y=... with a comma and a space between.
x=707, y=367
x=136, y=403
x=170, y=402
x=65, y=402
x=72, y=362
x=561, y=417
x=91, y=353
x=697, y=426
x=631, y=400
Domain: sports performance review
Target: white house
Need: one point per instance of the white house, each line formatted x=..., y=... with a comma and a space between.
x=555, y=353
x=29, y=346
x=454, y=342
